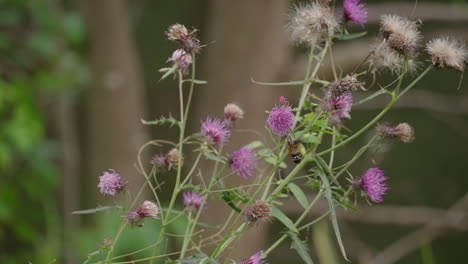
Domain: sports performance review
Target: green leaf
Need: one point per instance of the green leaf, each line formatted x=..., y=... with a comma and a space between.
x=274, y=161
x=300, y=247
x=310, y=138
x=279, y=83
x=329, y=196
x=199, y=82
x=255, y=144
x=212, y=156
x=162, y=121
x=98, y=209
x=276, y=213
x=299, y=194
x=350, y=36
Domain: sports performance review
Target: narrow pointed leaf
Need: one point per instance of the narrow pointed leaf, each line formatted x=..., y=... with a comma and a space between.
x=96, y=210
x=300, y=247
x=276, y=213
x=299, y=194
x=279, y=83
x=350, y=36
x=329, y=196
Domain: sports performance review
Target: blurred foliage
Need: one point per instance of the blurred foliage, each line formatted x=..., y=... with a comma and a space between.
x=39, y=51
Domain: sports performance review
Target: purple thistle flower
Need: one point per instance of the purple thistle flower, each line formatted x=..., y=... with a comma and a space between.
x=147, y=209
x=110, y=182
x=356, y=11
x=193, y=201
x=215, y=131
x=340, y=106
x=372, y=182
x=256, y=258
x=158, y=160
x=181, y=59
x=243, y=162
x=281, y=119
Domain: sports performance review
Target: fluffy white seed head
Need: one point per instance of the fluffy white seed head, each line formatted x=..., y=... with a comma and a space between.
x=402, y=34
x=446, y=52
x=310, y=22
x=385, y=57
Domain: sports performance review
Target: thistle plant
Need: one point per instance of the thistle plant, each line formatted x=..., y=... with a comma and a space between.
x=295, y=129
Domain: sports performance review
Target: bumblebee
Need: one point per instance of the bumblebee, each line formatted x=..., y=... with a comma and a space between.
x=296, y=150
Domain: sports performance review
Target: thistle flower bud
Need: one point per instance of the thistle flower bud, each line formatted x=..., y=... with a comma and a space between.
x=106, y=243
x=158, y=161
x=403, y=131
x=449, y=53
x=170, y=160
x=401, y=34
x=232, y=112
x=188, y=40
x=146, y=210
x=182, y=60
x=111, y=183
x=258, y=212
x=310, y=22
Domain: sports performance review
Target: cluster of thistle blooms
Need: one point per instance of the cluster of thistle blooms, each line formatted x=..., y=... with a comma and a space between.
x=314, y=25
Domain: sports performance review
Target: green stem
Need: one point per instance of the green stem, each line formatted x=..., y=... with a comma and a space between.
x=183, y=123
x=357, y=156
x=306, y=87
x=228, y=240
x=187, y=235
x=428, y=69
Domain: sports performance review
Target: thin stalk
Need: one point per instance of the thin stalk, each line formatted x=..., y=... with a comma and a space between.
x=183, y=119
x=428, y=69
x=305, y=89
x=187, y=235
x=333, y=143
x=356, y=156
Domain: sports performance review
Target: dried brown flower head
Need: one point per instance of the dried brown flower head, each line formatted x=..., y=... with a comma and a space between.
x=258, y=212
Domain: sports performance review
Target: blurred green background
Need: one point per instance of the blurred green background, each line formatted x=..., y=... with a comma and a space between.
x=76, y=77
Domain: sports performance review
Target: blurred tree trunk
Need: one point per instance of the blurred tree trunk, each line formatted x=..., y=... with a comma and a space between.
x=247, y=41
x=115, y=98
x=64, y=125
